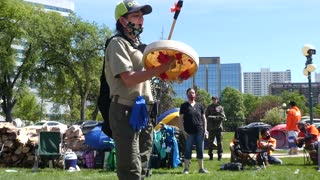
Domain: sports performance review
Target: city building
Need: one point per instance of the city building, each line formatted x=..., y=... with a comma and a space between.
x=212, y=77
x=317, y=77
x=302, y=88
x=63, y=7
x=257, y=83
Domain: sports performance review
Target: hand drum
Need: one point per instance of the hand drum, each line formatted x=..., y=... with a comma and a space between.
x=164, y=51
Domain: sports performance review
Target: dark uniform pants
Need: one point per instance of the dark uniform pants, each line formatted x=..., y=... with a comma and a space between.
x=133, y=148
x=215, y=133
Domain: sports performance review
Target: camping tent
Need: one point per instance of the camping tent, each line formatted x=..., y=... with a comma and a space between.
x=279, y=133
x=170, y=117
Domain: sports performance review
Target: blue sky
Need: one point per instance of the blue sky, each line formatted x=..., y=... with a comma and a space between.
x=255, y=33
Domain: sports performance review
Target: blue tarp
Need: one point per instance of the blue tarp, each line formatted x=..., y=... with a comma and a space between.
x=96, y=139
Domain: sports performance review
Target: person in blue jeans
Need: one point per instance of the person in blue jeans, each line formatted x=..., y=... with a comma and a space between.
x=192, y=117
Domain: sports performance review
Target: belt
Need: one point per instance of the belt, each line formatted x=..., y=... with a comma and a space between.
x=128, y=102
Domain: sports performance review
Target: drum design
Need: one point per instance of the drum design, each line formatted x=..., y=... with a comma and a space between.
x=164, y=51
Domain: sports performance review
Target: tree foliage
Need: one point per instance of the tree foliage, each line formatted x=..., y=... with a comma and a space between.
x=27, y=107
x=273, y=116
x=20, y=25
x=232, y=101
x=300, y=100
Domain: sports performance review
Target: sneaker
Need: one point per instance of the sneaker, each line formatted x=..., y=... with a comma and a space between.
x=186, y=171
x=203, y=171
x=219, y=157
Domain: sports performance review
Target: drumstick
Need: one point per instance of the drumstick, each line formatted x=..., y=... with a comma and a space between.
x=177, y=9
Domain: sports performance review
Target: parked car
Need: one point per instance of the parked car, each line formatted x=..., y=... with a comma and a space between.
x=50, y=124
x=307, y=120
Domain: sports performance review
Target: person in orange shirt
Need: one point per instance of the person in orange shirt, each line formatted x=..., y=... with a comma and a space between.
x=293, y=116
x=307, y=136
x=268, y=144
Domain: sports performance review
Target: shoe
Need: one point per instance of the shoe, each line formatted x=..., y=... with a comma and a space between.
x=219, y=157
x=203, y=171
x=186, y=171
x=211, y=157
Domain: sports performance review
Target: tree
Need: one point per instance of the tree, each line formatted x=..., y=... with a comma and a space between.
x=203, y=97
x=19, y=26
x=27, y=107
x=232, y=101
x=266, y=103
x=177, y=102
x=250, y=103
x=298, y=98
x=316, y=110
x=273, y=117
x=73, y=62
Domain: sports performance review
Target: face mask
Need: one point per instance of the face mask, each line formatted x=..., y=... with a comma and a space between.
x=134, y=29
x=191, y=97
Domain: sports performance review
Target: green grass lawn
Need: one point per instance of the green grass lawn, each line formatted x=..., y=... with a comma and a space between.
x=292, y=169
x=286, y=171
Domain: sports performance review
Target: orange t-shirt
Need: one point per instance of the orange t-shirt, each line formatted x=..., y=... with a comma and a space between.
x=293, y=117
x=311, y=129
x=271, y=141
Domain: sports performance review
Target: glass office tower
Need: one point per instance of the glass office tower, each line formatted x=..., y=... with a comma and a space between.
x=212, y=77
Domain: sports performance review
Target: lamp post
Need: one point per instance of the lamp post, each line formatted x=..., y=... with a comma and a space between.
x=284, y=107
x=308, y=50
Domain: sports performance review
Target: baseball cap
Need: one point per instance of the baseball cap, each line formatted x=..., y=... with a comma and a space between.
x=129, y=6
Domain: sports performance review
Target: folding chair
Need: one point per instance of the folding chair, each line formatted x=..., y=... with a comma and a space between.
x=248, y=141
x=49, y=148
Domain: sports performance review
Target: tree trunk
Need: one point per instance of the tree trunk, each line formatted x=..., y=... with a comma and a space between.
x=83, y=107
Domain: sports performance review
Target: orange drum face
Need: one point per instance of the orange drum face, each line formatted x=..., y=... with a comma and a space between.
x=166, y=51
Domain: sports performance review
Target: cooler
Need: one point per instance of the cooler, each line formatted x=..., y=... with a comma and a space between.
x=70, y=160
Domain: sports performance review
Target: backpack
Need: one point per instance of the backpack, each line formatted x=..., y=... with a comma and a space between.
x=104, y=99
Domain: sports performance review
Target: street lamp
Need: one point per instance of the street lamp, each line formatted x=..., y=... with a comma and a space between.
x=284, y=107
x=308, y=50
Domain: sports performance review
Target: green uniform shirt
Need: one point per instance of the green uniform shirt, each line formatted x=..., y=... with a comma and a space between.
x=122, y=57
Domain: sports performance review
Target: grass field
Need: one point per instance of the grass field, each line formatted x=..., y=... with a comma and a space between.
x=292, y=169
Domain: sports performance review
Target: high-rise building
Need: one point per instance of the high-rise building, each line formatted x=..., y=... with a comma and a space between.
x=317, y=77
x=257, y=83
x=64, y=7
x=212, y=77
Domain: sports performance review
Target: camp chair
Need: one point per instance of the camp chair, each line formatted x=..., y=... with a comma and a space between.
x=49, y=148
x=248, y=146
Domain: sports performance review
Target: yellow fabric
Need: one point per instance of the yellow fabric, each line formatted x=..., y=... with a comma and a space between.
x=166, y=120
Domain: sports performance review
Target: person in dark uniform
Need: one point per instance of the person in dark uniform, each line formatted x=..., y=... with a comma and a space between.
x=215, y=116
x=195, y=128
x=127, y=80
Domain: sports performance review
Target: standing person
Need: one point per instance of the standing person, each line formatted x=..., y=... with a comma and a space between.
x=293, y=117
x=215, y=115
x=127, y=80
x=194, y=127
x=267, y=143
